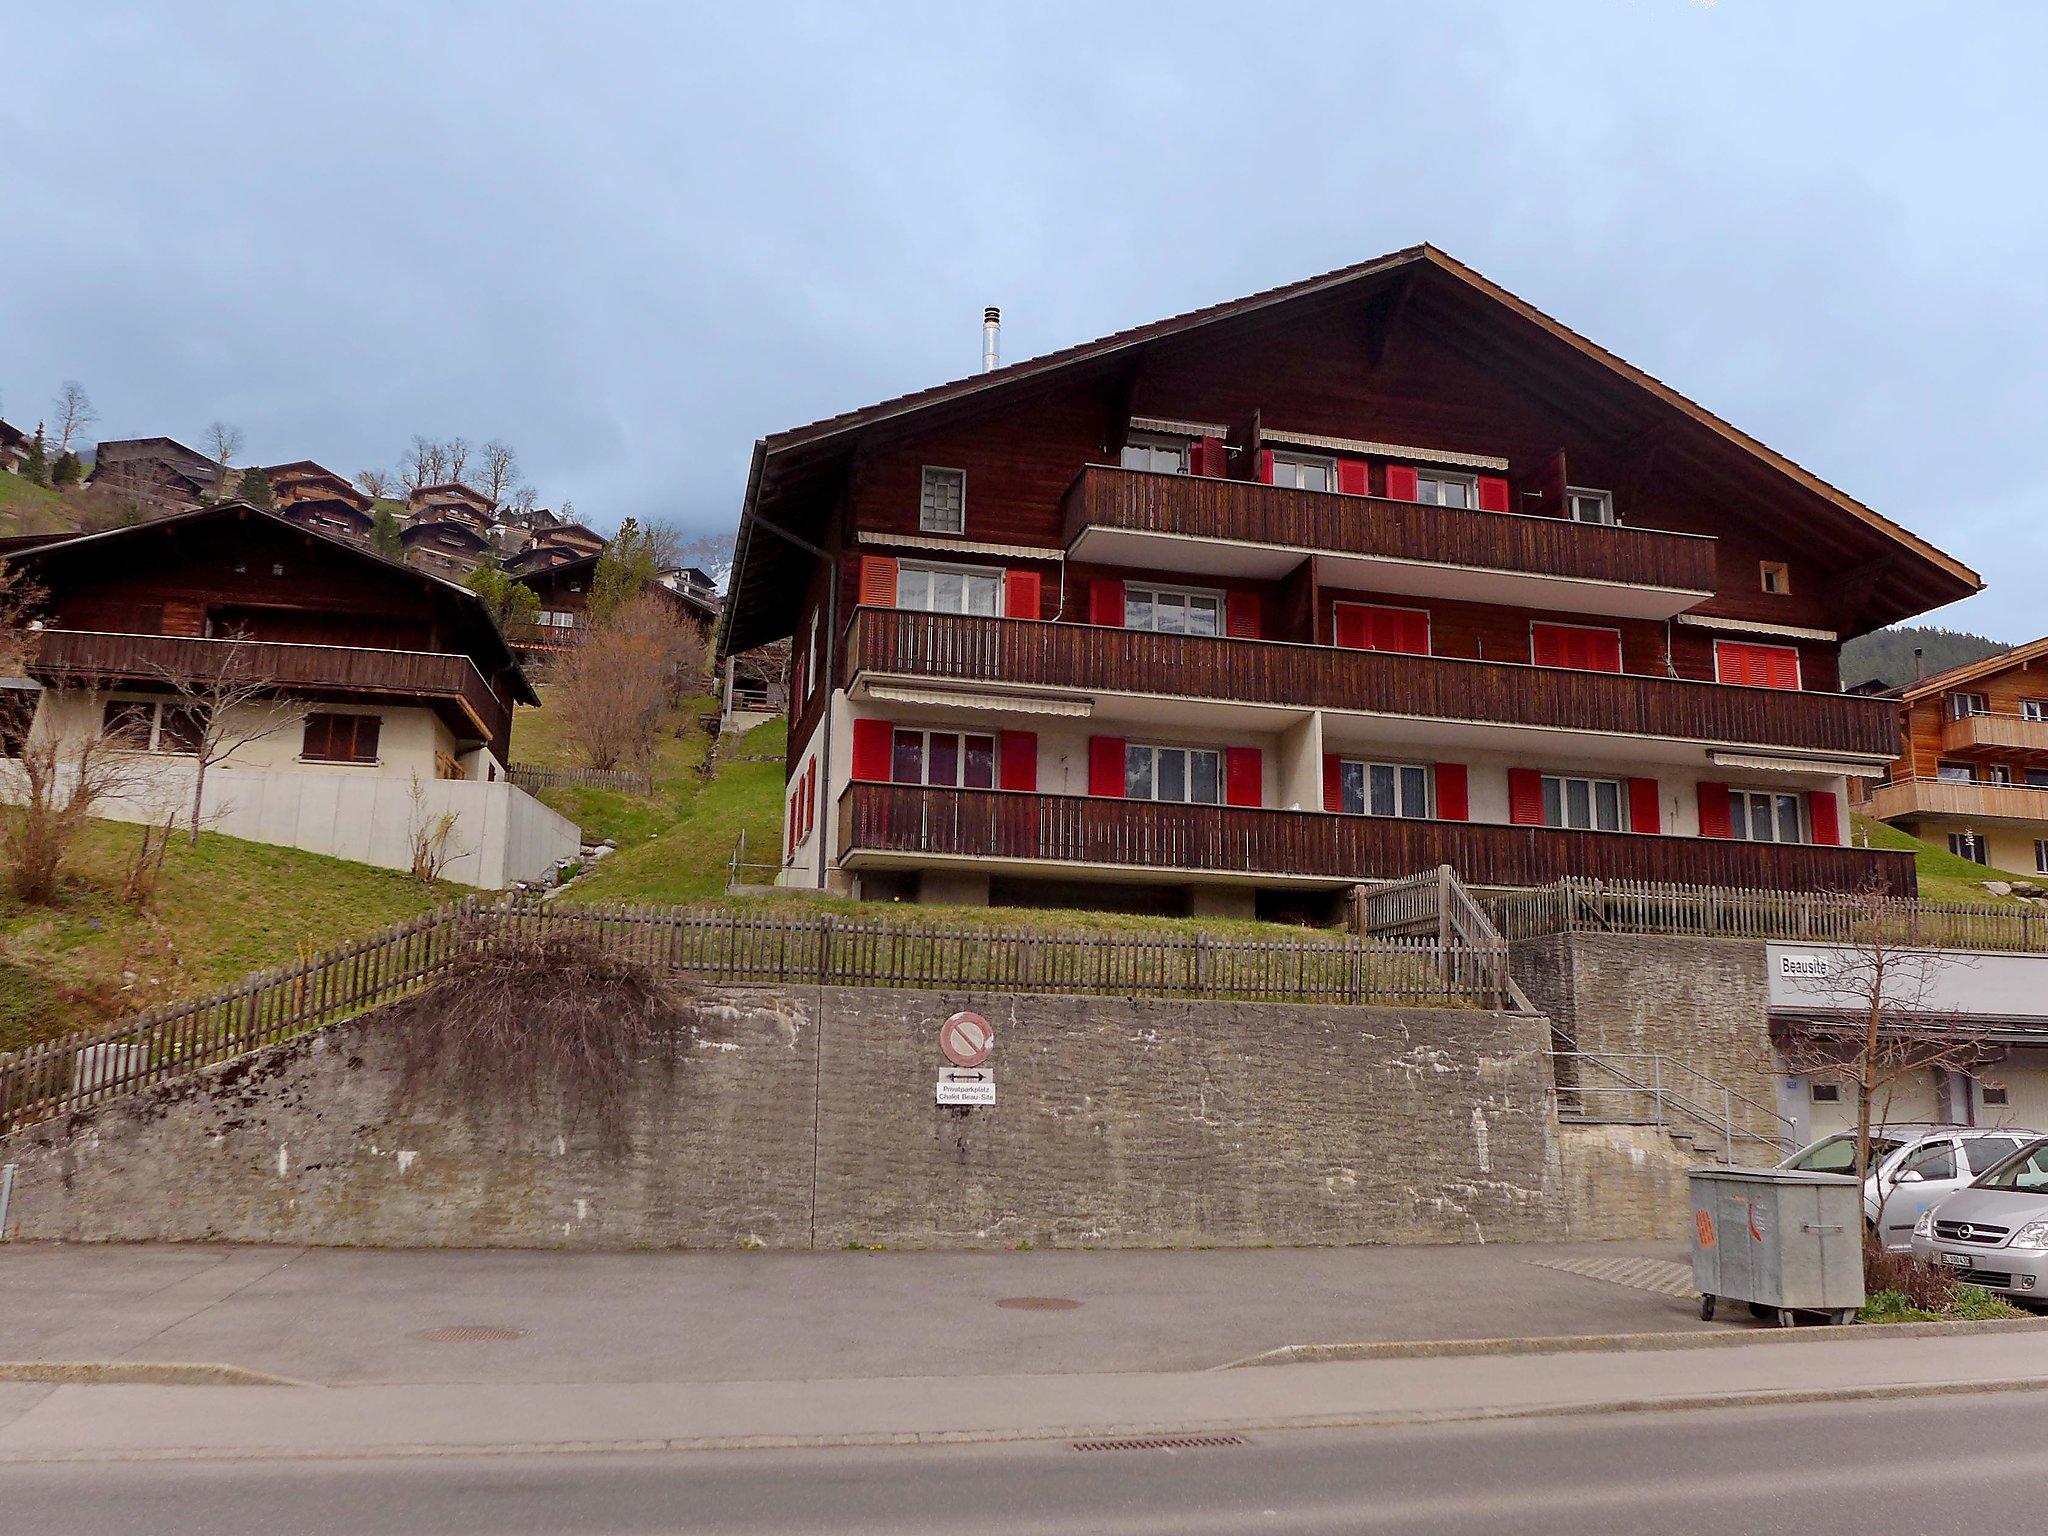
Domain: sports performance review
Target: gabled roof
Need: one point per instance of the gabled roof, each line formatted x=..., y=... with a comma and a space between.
x=1971, y=671
x=782, y=460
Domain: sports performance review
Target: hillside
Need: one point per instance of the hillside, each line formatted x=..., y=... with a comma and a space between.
x=26, y=507
x=1887, y=655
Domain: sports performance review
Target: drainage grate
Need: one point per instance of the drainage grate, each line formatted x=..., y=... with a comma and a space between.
x=1163, y=1443
x=1038, y=1303
x=471, y=1333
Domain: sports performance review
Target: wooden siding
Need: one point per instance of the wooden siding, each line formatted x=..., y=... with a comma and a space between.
x=1076, y=656
x=1946, y=797
x=1310, y=847
x=1995, y=733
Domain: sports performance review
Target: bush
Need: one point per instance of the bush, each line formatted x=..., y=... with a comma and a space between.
x=1919, y=1286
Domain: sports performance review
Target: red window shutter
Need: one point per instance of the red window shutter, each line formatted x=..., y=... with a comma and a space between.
x=1645, y=812
x=1351, y=477
x=1021, y=594
x=1714, y=817
x=1333, y=782
x=1241, y=615
x=1525, y=797
x=1364, y=628
x=1782, y=666
x=1575, y=647
x=872, y=750
x=1605, y=650
x=1244, y=776
x=1453, y=802
x=1826, y=814
x=789, y=835
x=1206, y=457
x=1401, y=482
x=1756, y=666
x=1106, y=602
x=1017, y=764
x=1493, y=493
x=1414, y=634
x=1266, y=465
x=1544, y=649
x=1106, y=766
x=877, y=581
x=1354, y=628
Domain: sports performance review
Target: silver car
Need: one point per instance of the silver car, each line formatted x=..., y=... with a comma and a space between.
x=1995, y=1233
x=1911, y=1168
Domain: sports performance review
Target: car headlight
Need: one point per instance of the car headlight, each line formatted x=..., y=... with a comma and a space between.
x=2033, y=1235
x=1924, y=1227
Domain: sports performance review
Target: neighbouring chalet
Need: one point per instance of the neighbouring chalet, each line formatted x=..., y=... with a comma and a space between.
x=561, y=575
x=1972, y=772
x=14, y=445
x=387, y=678
x=1361, y=575
x=446, y=546
x=451, y=501
x=160, y=472
x=316, y=497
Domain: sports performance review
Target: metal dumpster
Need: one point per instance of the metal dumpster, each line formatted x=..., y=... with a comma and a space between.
x=1781, y=1239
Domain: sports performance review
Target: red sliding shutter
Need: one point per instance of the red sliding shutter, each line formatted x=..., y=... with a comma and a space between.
x=1018, y=762
x=1401, y=482
x=1333, y=782
x=1756, y=666
x=1452, y=801
x=1244, y=776
x=1106, y=766
x=1106, y=602
x=1493, y=494
x=1571, y=645
x=1021, y=594
x=1352, y=477
x=1714, y=819
x=1525, y=797
x=1645, y=811
x=1365, y=628
x=877, y=581
x=1826, y=814
x=1241, y=615
x=872, y=749
x=1206, y=457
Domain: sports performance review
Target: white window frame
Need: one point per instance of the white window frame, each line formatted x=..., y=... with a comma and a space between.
x=1959, y=841
x=931, y=568
x=1303, y=461
x=1185, y=597
x=1592, y=781
x=2034, y=709
x=811, y=656
x=924, y=509
x=1998, y=773
x=2041, y=855
x=1747, y=793
x=925, y=734
x=1188, y=773
x=1956, y=711
x=1605, y=500
x=1427, y=476
x=1397, y=768
x=1155, y=442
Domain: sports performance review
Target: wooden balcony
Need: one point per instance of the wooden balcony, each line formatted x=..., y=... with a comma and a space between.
x=1950, y=797
x=1189, y=523
x=1994, y=733
x=449, y=684
x=1085, y=658
x=906, y=825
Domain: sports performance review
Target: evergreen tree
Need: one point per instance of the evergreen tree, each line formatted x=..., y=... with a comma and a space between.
x=384, y=533
x=254, y=488
x=68, y=471
x=627, y=565
x=37, y=468
x=512, y=603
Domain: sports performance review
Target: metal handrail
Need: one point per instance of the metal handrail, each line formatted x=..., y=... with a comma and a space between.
x=1634, y=1082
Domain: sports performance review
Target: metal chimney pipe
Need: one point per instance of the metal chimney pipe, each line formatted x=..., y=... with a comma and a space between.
x=1919, y=664
x=991, y=331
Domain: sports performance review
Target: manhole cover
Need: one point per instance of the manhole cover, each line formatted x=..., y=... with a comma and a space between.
x=1038, y=1303
x=1162, y=1443
x=471, y=1333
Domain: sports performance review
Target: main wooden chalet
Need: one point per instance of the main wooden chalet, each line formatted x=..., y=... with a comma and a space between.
x=1373, y=572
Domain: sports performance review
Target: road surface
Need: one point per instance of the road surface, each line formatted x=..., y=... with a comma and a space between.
x=1915, y=1468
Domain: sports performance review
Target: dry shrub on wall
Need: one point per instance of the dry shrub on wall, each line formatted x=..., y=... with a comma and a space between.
x=548, y=1022
x=618, y=685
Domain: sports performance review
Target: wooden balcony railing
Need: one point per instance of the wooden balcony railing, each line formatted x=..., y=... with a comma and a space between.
x=1953, y=797
x=1139, y=501
x=445, y=680
x=1085, y=657
x=2004, y=733
x=1316, y=847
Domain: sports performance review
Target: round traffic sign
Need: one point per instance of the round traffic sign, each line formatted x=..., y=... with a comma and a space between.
x=966, y=1038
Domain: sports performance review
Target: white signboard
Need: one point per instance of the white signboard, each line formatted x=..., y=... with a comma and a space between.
x=960, y=1086
x=1805, y=967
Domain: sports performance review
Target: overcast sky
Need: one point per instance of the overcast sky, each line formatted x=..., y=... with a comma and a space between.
x=630, y=239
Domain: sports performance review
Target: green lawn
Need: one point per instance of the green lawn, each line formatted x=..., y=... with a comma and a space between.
x=26, y=507
x=1943, y=876
x=629, y=820
x=224, y=909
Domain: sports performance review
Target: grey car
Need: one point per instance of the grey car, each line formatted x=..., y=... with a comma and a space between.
x=1995, y=1232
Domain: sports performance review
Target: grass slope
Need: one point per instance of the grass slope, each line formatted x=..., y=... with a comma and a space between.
x=1943, y=876
x=26, y=507
x=224, y=909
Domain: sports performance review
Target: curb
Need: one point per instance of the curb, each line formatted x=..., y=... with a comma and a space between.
x=1624, y=1343
x=93, y=1373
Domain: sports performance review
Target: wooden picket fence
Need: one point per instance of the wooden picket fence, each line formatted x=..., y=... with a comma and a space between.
x=1592, y=906
x=90, y=1067
x=531, y=777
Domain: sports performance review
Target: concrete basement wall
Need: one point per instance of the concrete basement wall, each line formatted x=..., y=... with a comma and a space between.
x=804, y=1117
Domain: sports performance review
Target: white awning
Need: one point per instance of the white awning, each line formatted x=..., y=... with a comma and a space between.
x=963, y=546
x=1831, y=770
x=1167, y=428
x=1383, y=450
x=1073, y=705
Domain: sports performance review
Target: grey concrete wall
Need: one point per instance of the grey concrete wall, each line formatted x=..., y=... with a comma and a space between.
x=806, y=1117
x=1626, y=1181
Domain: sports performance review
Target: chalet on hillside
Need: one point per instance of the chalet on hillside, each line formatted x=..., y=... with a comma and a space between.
x=1369, y=573
x=160, y=472
x=561, y=579
x=447, y=546
x=13, y=448
x=302, y=480
x=451, y=501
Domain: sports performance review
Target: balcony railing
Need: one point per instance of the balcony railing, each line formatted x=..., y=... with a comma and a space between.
x=1087, y=658
x=2009, y=733
x=1954, y=797
x=449, y=682
x=1310, y=847
x=1138, y=501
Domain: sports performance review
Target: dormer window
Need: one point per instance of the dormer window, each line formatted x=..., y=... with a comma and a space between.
x=1440, y=488
x=1584, y=506
x=942, y=501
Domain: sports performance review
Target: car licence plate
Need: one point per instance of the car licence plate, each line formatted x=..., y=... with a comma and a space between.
x=1956, y=1260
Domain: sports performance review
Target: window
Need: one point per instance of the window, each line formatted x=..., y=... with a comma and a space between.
x=1995, y=1097
x=1368, y=627
x=942, y=501
x=1182, y=774
x=1173, y=613
x=1764, y=816
x=130, y=723
x=142, y=725
x=1756, y=666
x=1304, y=474
x=1828, y=1093
x=1987, y=1152
x=1161, y=455
x=1998, y=773
x=1937, y=1161
x=1955, y=773
x=1776, y=577
x=1589, y=506
x=1591, y=805
x=2041, y=856
x=2028, y=1172
x=944, y=759
x=811, y=658
x=2034, y=709
x=1969, y=845
x=1580, y=647
x=1961, y=706
x=948, y=589
x=2037, y=778
x=341, y=738
x=1440, y=488
x=1384, y=789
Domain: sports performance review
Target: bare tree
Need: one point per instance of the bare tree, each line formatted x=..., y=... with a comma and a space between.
x=618, y=686
x=524, y=500
x=432, y=835
x=72, y=413
x=374, y=482
x=227, y=702
x=425, y=463
x=223, y=441
x=500, y=469
x=128, y=493
x=457, y=451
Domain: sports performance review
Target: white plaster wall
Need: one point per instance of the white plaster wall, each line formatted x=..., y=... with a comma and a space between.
x=407, y=740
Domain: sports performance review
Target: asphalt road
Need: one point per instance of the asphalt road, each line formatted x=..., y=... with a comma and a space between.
x=1914, y=1468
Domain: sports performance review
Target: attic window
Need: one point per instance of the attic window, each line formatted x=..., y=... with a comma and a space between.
x=1777, y=577
x=942, y=501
